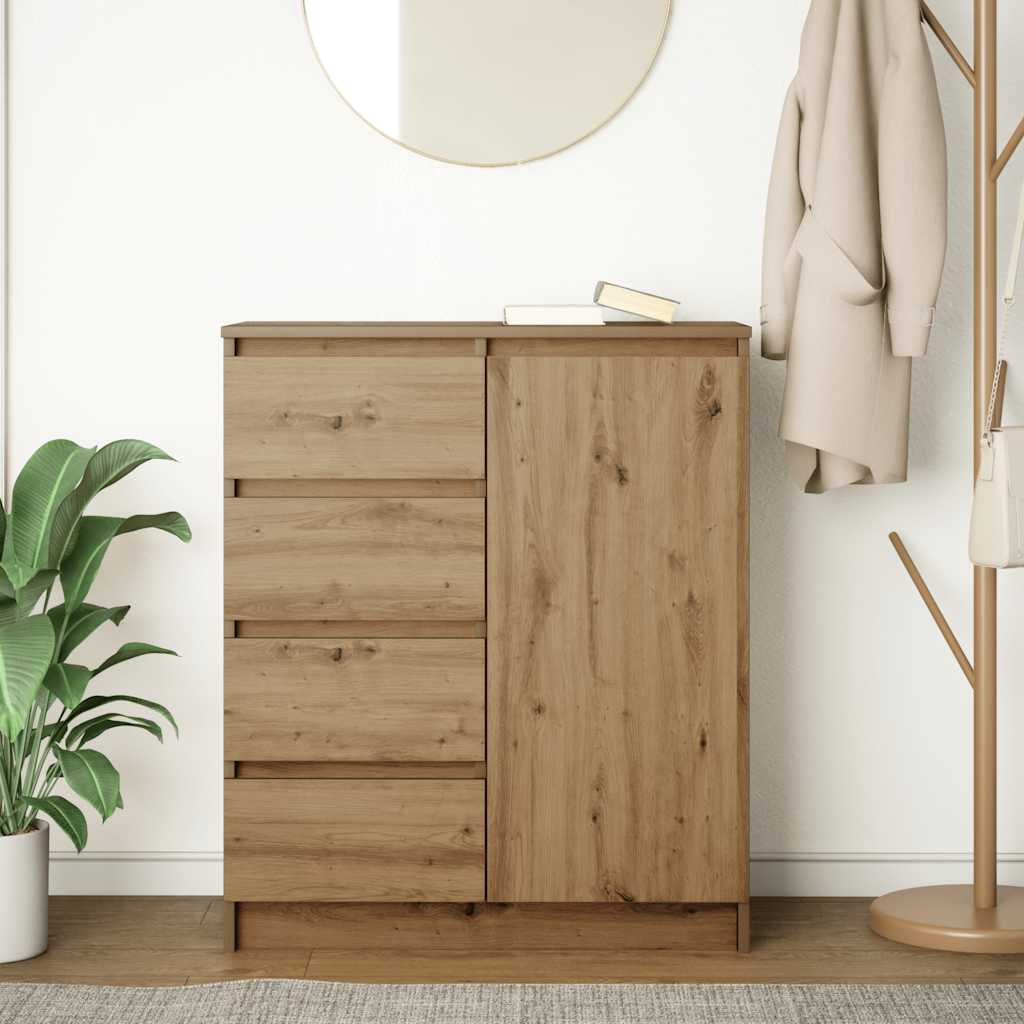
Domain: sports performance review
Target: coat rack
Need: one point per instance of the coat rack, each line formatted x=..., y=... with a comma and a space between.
x=985, y=917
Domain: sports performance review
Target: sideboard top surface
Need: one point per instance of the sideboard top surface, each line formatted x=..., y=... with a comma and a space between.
x=482, y=329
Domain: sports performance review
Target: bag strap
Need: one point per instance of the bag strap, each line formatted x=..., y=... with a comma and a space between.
x=1009, y=298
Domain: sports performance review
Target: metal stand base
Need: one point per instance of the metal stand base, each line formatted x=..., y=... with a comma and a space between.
x=944, y=917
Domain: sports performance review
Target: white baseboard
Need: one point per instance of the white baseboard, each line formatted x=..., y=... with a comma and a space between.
x=772, y=874
x=866, y=874
x=97, y=873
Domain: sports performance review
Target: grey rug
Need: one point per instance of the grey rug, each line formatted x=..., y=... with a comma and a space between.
x=314, y=1002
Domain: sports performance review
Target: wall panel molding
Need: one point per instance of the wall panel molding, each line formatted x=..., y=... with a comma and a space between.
x=146, y=873
x=861, y=873
x=857, y=873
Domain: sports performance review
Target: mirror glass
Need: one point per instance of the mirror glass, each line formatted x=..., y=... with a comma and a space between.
x=487, y=82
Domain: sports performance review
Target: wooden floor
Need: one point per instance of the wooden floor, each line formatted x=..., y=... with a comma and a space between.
x=174, y=941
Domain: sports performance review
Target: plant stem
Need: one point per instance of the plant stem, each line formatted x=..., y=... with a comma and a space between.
x=9, y=783
x=31, y=777
x=6, y=800
x=36, y=762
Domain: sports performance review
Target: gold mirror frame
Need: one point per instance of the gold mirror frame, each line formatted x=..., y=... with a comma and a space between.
x=511, y=163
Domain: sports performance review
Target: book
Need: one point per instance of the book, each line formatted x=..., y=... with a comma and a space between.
x=553, y=316
x=628, y=300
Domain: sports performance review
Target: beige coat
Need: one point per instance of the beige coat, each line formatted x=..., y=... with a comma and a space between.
x=855, y=239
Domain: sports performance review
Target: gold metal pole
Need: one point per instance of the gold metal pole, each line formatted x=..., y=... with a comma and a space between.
x=985, y=306
x=947, y=41
x=933, y=606
x=1008, y=150
x=965, y=918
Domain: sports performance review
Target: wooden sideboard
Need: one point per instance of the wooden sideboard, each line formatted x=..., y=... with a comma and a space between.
x=486, y=643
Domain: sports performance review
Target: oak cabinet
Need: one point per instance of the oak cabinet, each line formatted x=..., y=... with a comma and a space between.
x=614, y=606
x=354, y=839
x=397, y=418
x=354, y=558
x=364, y=700
x=486, y=624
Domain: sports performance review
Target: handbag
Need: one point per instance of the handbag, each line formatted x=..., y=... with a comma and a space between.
x=997, y=515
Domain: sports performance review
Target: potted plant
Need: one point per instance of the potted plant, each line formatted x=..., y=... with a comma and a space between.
x=48, y=725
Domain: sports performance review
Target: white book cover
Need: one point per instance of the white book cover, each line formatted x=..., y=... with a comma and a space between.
x=554, y=316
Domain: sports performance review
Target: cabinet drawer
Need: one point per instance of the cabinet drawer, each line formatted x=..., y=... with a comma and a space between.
x=354, y=700
x=354, y=559
x=355, y=418
x=419, y=840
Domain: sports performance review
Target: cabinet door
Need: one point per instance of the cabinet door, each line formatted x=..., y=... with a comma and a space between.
x=617, y=611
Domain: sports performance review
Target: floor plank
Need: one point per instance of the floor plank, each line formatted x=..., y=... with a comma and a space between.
x=173, y=941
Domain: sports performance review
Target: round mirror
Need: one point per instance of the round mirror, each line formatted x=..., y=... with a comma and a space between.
x=486, y=82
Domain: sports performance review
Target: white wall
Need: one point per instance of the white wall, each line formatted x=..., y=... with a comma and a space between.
x=177, y=166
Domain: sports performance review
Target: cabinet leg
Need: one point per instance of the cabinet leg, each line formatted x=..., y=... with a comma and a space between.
x=230, y=926
x=743, y=927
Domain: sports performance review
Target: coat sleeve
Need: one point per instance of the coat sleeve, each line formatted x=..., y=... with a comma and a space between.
x=786, y=207
x=912, y=189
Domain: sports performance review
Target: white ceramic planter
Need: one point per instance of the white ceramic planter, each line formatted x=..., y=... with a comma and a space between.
x=24, y=871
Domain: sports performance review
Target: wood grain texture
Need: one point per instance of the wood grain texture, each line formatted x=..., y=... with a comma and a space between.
x=613, y=706
x=230, y=926
x=354, y=700
x=104, y=940
x=487, y=927
x=406, y=348
x=431, y=330
x=366, y=418
x=596, y=345
x=358, y=489
x=376, y=840
x=742, y=927
x=354, y=559
x=742, y=472
x=360, y=770
x=407, y=628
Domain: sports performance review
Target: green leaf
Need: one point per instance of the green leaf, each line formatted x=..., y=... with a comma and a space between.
x=78, y=570
x=91, y=775
x=3, y=524
x=64, y=813
x=110, y=464
x=48, y=477
x=173, y=523
x=85, y=732
x=129, y=651
x=28, y=596
x=84, y=621
x=8, y=611
x=24, y=585
x=18, y=573
x=90, y=703
x=26, y=648
x=57, y=731
x=67, y=683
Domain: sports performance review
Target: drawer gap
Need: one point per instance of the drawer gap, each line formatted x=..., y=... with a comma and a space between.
x=359, y=489
x=358, y=770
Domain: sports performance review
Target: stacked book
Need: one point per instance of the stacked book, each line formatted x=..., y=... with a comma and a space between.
x=606, y=296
